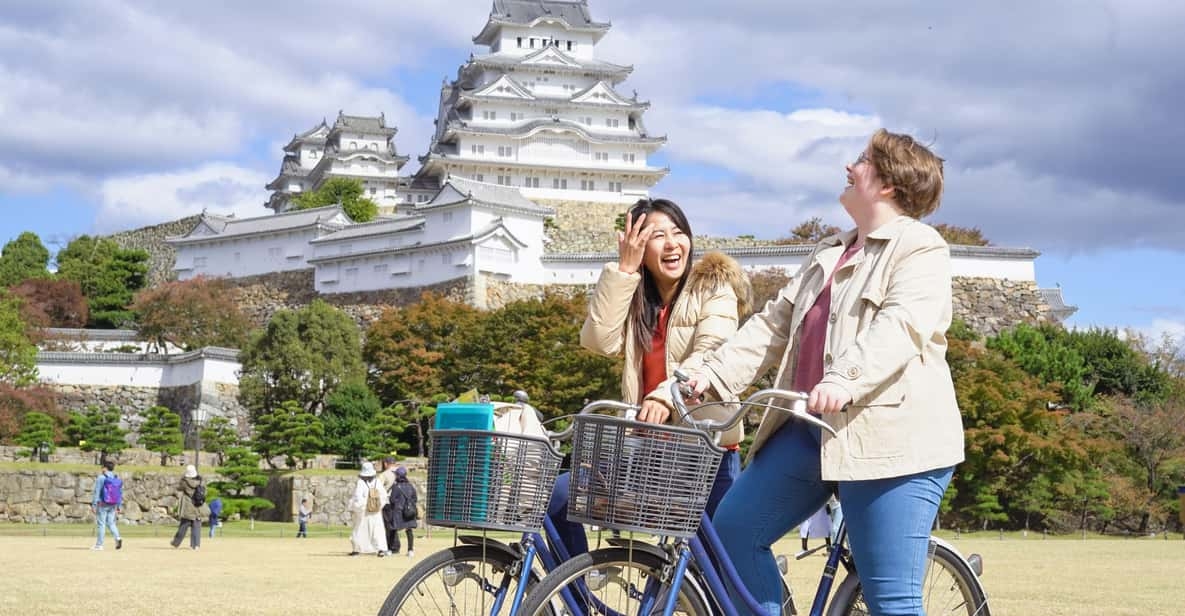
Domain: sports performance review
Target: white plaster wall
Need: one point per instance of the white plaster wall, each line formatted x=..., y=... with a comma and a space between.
x=246, y=256
x=582, y=43
x=140, y=374
x=988, y=267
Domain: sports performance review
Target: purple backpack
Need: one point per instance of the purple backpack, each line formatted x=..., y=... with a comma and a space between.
x=112, y=490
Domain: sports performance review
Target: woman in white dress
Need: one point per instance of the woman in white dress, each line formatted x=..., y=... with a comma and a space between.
x=369, y=536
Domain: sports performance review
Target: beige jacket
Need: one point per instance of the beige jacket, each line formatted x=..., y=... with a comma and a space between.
x=705, y=314
x=885, y=345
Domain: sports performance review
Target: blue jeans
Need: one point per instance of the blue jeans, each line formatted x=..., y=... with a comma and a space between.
x=888, y=520
x=572, y=533
x=213, y=524
x=105, y=518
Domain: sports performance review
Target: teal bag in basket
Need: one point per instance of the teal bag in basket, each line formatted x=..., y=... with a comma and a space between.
x=467, y=482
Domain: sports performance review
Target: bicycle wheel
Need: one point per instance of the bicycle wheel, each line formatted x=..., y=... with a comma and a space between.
x=948, y=589
x=612, y=582
x=460, y=580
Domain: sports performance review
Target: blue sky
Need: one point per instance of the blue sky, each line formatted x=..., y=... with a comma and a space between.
x=1058, y=121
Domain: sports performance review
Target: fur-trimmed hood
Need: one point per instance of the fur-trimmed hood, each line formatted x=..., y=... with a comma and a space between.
x=716, y=268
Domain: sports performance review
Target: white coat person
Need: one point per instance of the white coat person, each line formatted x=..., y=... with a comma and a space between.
x=369, y=536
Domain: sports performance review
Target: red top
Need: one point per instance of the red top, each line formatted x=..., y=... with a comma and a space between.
x=654, y=361
x=808, y=371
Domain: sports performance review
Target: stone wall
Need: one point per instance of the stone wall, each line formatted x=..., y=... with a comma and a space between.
x=41, y=496
x=221, y=399
x=990, y=305
x=161, y=256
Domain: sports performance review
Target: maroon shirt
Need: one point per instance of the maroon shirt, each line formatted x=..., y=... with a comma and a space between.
x=808, y=370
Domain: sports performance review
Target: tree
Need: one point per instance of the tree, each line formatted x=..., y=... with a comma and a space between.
x=16, y=402
x=190, y=314
x=101, y=432
x=52, y=303
x=161, y=432
x=109, y=277
x=1154, y=437
x=38, y=429
x=240, y=477
x=810, y=232
x=218, y=436
x=23, y=258
x=962, y=236
x=18, y=354
x=766, y=283
x=301, y=355
x=1043, y=353
x=290, y=431
x=350, y=420
x=347, y=192
x=413, y=352
x=390, y=425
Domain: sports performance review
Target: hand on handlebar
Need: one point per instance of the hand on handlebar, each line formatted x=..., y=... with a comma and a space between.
x=828, y=398
x=693, y=390
x=654, y=412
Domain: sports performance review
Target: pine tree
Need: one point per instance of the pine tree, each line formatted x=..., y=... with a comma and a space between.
x=241, y=476
x=23, y=258
x=289, y=431
x=390, y=426
x=218, y=436
x=38, y=429
x=103, y=433
x=161, y=432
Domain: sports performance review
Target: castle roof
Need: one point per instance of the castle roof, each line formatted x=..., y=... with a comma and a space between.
x=534, y=126
x=560, y=61
x=571, y=15
x=313, y=136
x=216, y=228
x=366, y=125
x=382, y=226
x=458, y=191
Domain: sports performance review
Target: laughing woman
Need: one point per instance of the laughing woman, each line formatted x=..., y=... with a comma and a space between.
x=661, y=313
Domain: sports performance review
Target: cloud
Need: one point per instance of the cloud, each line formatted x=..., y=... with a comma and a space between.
x=221, y=188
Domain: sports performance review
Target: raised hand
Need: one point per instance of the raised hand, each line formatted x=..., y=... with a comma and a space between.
x=631, y=244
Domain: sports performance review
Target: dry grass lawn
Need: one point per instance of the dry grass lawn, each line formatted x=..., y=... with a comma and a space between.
x=59, y=575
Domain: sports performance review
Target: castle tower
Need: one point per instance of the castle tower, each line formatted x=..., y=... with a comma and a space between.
x=540, y=112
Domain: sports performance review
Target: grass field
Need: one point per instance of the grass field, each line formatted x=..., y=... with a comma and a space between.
x=51, y=570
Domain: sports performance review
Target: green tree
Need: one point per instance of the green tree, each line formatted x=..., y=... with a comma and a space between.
x=161, y=432
x=290, y=431
x=218, y=436
x=77, y=427
x=102, y=432
x=16, y=402
x=350, y=420
x=18, y=354
x=347, y=192
x=191, y=314
x=390, y=426
x=38, y=428
x=1043, y=353
x=240, y=478
x=23, y=258
x=109, y=277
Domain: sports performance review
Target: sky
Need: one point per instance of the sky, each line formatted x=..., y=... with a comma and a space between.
x=1059, y=120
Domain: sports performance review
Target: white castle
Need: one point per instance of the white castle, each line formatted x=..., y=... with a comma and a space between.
x=534, y=123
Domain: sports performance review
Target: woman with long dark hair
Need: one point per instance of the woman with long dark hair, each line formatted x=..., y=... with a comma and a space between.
x=660, y=312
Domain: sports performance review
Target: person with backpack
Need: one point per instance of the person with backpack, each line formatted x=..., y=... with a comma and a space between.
x=367, y=504
x=106, y=502
x=191, y=496
x=404, y=512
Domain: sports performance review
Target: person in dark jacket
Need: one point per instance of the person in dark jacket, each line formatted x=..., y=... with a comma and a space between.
x=403, y=497
x=189, y=514
x=215, y=512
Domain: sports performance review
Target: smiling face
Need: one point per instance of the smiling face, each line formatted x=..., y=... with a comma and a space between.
x=864, y=187
x=667, y=250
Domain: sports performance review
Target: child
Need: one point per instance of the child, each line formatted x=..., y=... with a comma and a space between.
x=302, y=516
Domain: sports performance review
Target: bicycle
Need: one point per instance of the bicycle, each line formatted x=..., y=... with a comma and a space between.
x=487, y=481
x=629, y=466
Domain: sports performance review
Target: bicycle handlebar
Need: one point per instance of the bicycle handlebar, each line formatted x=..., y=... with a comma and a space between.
x=797, y=408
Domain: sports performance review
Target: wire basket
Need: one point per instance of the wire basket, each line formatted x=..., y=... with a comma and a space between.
x=640, y=477
x=490, y=480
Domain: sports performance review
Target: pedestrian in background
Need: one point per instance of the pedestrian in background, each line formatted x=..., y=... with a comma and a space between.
x=188, y=512
x=405, y=511
x=367, y=504
x=215, y=513
x=302, y=518
x=106, y=502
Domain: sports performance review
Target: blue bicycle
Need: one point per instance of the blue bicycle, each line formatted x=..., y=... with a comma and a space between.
x=655, y=480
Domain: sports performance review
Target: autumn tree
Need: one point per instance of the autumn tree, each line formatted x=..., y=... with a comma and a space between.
x=810, y=232
x=766, y=283
x=190, y=314
x=22, y=259
x=161, y=432
x=52, y=303
x=301, y=355
x=1153, y=434
x=962, y=236
x=346, y=191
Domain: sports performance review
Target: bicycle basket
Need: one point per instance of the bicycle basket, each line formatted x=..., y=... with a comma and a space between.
x=640, y=477
x=490, y=480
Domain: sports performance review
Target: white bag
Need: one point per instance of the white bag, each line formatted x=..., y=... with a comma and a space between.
x=514, y=419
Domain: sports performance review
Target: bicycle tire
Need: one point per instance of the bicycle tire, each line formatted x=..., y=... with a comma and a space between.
x=498, y=562
x=544, y=599
x=961, y=595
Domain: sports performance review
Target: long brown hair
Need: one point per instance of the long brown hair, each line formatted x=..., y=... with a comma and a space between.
x=647, y=301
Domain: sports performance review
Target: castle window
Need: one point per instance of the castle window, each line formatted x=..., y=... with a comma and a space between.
x=532, y=42
x=480, y=177
x=569, y=45
x=520, y=42
x=274, y=251
x=614, y=186
x=560, y=183
x=446, y=217
x=531, y=182
x=199, y=262
x=447, y=258
x=380, y=268
x=629, y=158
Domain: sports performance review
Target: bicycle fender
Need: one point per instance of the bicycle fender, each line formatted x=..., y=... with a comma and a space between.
x=946, y=544
x=491, y=544
x=639, y=546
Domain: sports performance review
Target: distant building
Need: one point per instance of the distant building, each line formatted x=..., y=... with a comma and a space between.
x=356, y=147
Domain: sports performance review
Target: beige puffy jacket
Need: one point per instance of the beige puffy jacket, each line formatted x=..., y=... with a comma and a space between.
x=885, y=346
x=704, y=315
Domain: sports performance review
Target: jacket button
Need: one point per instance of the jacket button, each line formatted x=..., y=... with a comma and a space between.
x=827, y=359
x=833, y=318
x=853, y=372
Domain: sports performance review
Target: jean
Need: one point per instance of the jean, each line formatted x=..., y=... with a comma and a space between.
x=213, y=524
x=888, y=520
x=195, y=535
x=572, y=533
x=105, y=518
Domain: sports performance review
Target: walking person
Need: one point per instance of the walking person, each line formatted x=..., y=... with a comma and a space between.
x=659, y=312
x=405, y=512
x=302, y=518
x=189, y=509
x=818, y=526
x=369, y=536
x=106, y=504
x=862, y=328
x=215, y=513
x=387, y=481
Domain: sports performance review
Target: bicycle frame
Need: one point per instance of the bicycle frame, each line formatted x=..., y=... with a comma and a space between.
x=553, y=554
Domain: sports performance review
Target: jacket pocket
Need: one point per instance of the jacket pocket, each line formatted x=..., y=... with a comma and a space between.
x=876, y=427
